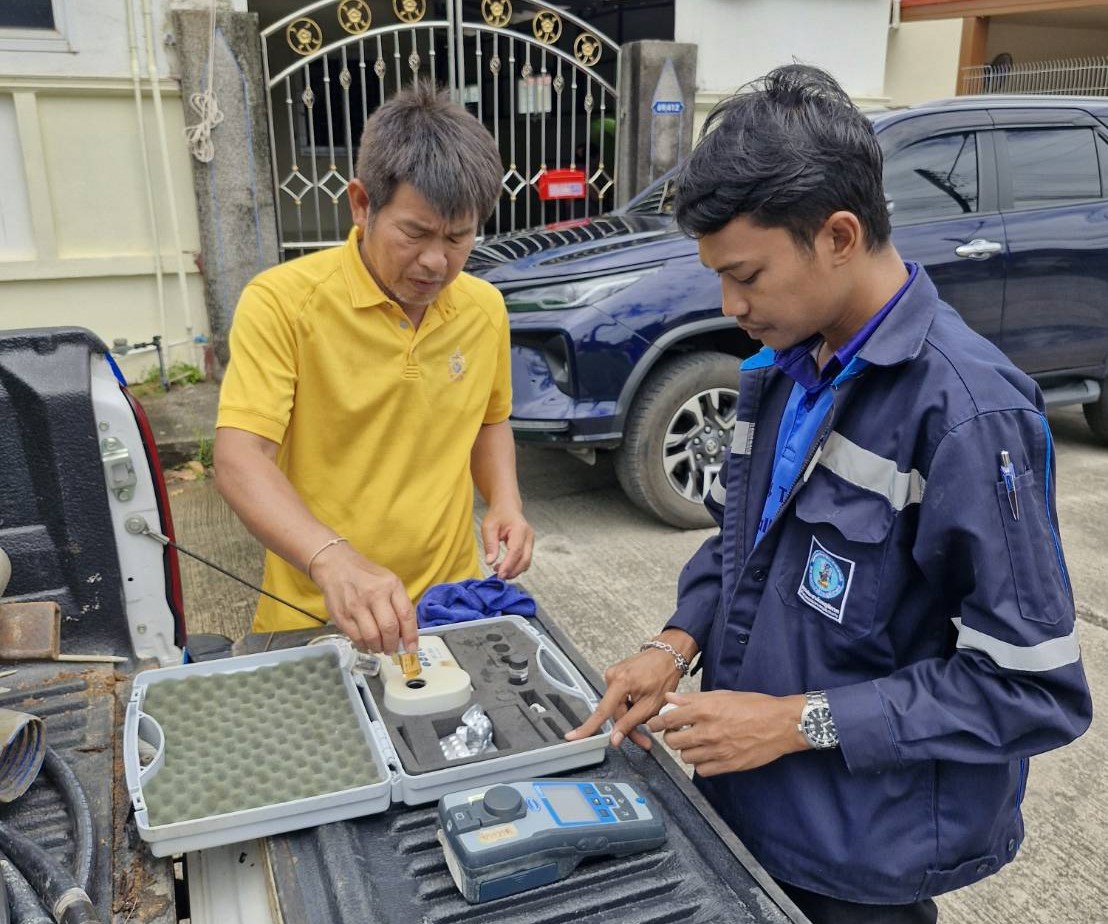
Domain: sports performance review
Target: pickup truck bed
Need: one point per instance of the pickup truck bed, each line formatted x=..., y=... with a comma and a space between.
x=76, y=478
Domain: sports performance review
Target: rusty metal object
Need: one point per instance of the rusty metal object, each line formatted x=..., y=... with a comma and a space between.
x=32, y=632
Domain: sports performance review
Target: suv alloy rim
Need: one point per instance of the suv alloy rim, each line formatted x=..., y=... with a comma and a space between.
x=697, y=436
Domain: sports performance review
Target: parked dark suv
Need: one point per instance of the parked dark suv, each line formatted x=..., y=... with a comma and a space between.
x=618, y=342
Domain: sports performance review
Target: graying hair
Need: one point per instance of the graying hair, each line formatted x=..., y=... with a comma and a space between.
x=422, y=138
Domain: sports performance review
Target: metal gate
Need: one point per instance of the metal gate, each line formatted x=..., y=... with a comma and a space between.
x=541, y=80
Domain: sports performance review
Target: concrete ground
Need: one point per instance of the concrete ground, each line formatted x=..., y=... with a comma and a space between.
x=606, y=572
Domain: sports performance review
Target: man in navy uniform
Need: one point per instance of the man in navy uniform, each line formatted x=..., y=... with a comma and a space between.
x=884, y=620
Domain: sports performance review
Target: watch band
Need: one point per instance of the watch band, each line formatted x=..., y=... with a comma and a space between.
x=681, y=662
x=817, y=725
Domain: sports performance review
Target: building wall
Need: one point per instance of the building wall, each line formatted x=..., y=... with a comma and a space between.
x=1027, y=43
x=922, y=61
x=745, y=40
x=78, y=245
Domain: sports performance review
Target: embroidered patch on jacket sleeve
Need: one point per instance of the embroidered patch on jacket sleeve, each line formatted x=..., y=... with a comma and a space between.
x=826, y=582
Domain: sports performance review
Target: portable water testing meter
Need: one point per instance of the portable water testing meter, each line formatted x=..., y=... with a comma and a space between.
x=507, y=838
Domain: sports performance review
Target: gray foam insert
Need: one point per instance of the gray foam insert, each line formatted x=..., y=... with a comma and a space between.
x=244, y=739
x=524, y=717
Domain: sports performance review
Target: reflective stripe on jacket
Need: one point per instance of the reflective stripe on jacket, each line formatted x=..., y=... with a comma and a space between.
x=897, y=578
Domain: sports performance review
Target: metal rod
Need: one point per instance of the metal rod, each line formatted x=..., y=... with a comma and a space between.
x=361, y=74
x=544, y=91
x=331, y=165
x=309, y=94
x=272, y=137
x=494, y=65
x=461, y=53
x=512, y=115
x=529, y=82
x=294, y=151
x=165, y=540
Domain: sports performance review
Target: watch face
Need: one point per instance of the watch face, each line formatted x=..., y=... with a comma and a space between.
x=819, y=728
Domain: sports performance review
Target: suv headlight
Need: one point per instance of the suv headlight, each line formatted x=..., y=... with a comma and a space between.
x=573, y=294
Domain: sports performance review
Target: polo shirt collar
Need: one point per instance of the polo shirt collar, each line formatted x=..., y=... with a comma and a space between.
x=363, y=288
x=364, y=291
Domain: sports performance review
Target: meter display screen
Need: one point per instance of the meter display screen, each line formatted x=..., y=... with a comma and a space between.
x=568, y=803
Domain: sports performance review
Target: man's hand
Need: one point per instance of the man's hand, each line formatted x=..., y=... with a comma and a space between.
x=368, y=603
x=722, y=731
x=637, y=688
x=509, y=527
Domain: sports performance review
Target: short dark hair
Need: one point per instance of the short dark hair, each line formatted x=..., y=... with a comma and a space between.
x=786, y=151
x=420, y=137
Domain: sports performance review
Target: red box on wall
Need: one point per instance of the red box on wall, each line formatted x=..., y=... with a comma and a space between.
x=562, y=184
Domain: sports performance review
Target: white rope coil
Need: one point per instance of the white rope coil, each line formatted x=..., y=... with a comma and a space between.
x=205, y=105
x=199, y=135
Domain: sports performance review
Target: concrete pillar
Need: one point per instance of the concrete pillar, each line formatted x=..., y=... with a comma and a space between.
x=657, y=82
x=234, y=190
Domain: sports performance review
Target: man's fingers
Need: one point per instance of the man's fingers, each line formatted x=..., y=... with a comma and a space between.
x=521, y=542
x=490, y=536
x=408, y=628
x=509, y=567
x=605, y=709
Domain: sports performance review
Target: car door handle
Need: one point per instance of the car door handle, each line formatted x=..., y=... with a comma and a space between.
x=978, y=249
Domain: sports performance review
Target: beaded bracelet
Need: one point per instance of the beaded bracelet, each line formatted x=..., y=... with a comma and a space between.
x=679, y=659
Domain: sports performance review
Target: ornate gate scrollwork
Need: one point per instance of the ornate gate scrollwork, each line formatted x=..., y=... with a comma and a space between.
x=542, y=80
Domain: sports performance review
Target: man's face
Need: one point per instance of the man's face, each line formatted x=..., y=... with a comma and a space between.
x=411, y=251
x=779, y=292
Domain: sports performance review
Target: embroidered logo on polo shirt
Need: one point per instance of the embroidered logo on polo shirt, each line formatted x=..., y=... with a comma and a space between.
x=457, y=365
x=826, y=581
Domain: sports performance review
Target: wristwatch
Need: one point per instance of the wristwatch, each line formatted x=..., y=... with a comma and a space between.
x=816, y=724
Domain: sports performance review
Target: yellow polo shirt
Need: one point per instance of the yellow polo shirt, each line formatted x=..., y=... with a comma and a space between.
x=375, y=420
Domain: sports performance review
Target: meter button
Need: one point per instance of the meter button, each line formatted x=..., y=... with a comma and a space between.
x=463, y=821
x=504, y=802
x=599, y=842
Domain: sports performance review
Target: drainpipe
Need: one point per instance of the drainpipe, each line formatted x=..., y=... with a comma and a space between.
x=136, y=82
x=163, y=144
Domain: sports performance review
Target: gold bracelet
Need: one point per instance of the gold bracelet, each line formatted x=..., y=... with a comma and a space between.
x=323, y=548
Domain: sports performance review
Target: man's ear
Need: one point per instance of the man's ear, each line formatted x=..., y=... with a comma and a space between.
x=844, y=236
x=359, y=204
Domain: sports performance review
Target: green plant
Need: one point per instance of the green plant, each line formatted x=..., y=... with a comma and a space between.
x=179, y=372
x=205, y=450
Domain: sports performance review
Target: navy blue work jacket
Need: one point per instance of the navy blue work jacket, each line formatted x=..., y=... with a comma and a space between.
x=896, y=578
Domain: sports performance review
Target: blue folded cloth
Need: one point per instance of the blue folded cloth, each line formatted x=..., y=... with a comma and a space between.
x=472, y=599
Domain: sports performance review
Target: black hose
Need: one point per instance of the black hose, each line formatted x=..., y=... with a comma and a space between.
x=22, y=900
x=84, y=850
x=67, y=902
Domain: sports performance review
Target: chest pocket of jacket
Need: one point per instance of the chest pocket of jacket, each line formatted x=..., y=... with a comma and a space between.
x=832, y=554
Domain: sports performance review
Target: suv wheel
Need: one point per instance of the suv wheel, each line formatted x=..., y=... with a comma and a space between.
x=1096, y=413
x=676, y=435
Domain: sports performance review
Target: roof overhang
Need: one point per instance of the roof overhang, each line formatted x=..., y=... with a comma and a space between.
x=919, y=10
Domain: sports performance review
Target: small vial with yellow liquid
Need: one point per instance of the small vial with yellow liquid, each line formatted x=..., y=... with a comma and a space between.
x=409, y=664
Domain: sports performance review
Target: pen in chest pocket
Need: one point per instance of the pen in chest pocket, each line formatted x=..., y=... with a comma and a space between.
x=1008, y=474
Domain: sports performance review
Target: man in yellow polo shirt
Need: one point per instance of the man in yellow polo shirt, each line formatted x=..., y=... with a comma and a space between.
x=369, y=390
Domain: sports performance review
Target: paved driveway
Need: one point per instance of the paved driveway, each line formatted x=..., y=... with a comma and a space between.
x=606, y=572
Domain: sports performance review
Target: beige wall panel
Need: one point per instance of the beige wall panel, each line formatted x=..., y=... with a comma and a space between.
x=17, y=240
x=1043, y=43
x=110, y=307
x=922, y=61
x=95, y=169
